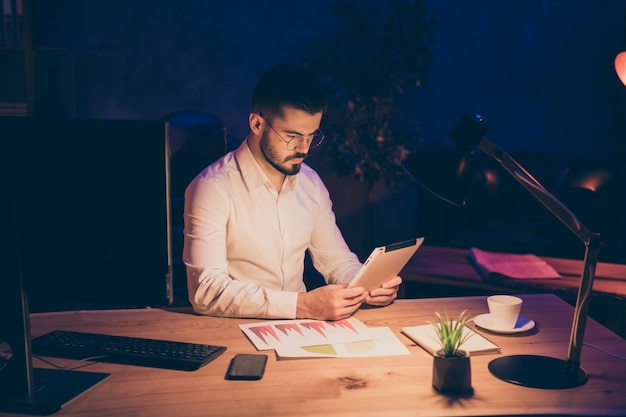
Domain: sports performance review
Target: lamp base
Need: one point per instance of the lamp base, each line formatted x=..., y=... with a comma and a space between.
x=537, y=372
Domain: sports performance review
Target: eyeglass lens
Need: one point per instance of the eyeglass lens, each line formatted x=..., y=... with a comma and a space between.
x=315, y=140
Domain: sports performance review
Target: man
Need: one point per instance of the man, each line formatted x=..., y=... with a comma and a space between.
x=251, y=216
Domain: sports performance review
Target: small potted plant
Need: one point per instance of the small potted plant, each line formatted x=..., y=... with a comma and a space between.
x=451, y=366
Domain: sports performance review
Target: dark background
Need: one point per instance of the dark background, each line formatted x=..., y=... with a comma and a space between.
x=541, y=73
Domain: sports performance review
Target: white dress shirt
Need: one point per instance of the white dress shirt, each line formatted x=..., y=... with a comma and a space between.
x=245, y=243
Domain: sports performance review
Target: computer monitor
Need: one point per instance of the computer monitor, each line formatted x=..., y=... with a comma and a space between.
x=23, y=388
x=86, y=217
x=94, y=205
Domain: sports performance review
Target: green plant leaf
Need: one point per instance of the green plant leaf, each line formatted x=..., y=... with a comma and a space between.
x=450, y=332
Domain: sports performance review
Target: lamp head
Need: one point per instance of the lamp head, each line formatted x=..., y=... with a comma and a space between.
x=468, y=132
x=620, y=66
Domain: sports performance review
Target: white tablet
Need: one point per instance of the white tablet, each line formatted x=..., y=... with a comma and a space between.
x=384, y=263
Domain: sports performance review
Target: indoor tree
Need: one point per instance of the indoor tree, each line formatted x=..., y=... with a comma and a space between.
x=378, y=52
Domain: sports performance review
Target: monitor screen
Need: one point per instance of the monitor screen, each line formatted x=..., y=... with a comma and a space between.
x=24, y=388
x=94, y=211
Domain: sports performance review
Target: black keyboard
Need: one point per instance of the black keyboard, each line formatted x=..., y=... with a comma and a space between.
x=126, y=350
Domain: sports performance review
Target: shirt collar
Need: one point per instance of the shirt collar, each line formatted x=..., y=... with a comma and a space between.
x=253, y=175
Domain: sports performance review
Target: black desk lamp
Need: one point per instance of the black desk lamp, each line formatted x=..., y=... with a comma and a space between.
x=451, y=185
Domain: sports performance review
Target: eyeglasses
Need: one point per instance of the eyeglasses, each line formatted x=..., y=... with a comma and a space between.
x=295, y=141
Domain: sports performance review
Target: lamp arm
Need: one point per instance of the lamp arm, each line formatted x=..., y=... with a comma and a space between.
x=556, y=207
x=592, y=241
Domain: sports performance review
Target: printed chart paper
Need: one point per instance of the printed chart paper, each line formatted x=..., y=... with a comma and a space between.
x=386, y=344
x=294, y=333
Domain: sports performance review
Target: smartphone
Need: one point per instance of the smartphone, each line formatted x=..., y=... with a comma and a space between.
x=247, y=366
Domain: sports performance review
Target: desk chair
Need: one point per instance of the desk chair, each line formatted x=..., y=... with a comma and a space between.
x=197, y=139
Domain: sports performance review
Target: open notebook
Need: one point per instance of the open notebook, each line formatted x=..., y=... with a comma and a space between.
x=425, y=336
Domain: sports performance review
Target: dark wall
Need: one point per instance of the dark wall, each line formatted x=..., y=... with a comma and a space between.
x=540, y=71
x=146, y=58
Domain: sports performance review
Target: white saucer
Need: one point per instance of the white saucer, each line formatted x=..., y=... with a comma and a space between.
x=523, y=324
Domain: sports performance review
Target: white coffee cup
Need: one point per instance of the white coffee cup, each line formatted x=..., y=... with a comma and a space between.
x=504, y=311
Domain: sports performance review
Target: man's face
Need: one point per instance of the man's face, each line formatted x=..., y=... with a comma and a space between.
x=287, y=159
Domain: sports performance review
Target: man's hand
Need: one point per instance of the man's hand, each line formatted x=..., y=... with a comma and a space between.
x=385, y=294
x=330, y=302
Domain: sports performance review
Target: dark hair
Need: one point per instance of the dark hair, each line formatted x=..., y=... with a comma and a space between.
x=287, y=85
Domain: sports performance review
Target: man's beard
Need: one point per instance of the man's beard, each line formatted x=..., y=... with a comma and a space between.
x=274, y=161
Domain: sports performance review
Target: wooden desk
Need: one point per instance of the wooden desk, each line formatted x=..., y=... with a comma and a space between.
x=450, y=268
x=380, y=386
